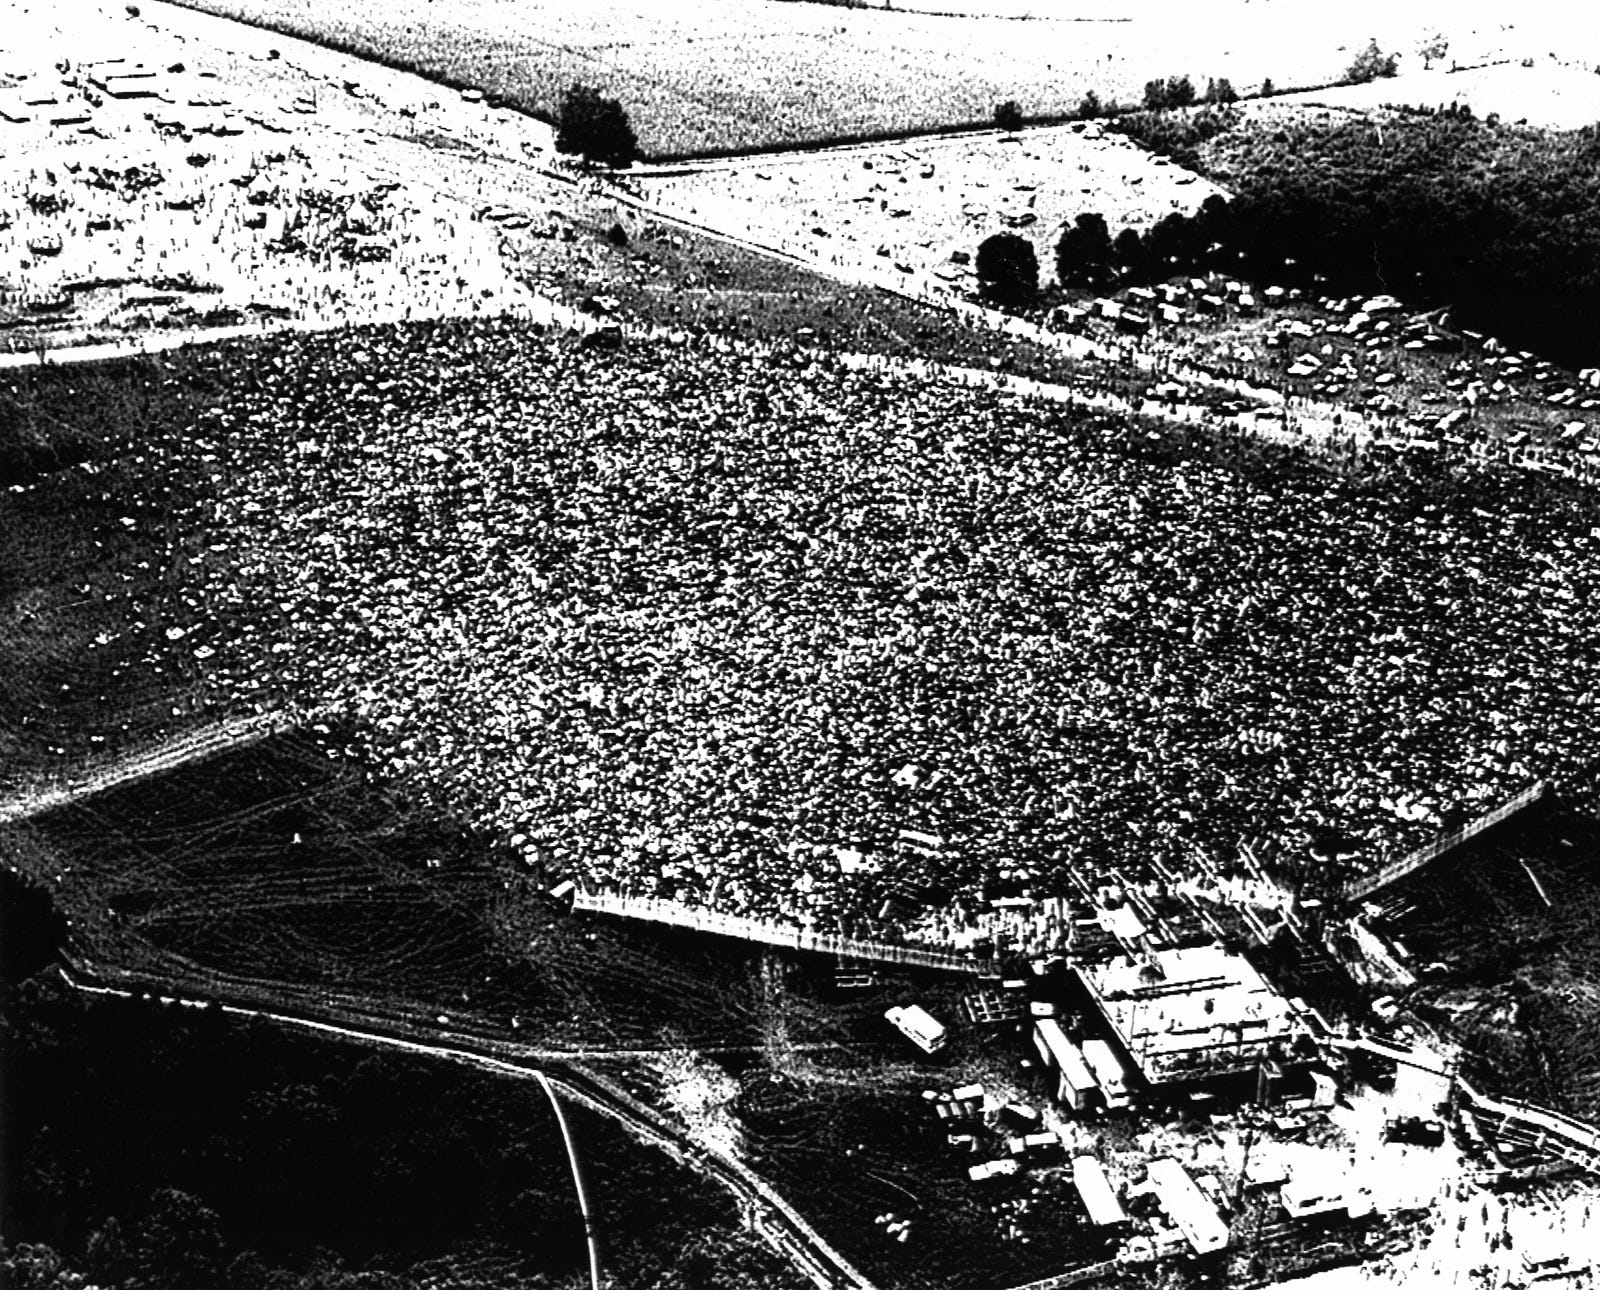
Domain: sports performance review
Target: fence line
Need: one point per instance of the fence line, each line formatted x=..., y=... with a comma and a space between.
x=1570, y=1132
x=1410, y=863
x=656, y=910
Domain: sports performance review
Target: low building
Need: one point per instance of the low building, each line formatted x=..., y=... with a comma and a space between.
x=1186, y=1205
x=1197, y=1014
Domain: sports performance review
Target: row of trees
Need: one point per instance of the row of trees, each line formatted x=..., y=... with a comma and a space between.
x=1437, y=207
x=1088, y=256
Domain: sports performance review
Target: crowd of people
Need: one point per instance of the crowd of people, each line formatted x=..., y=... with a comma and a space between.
x=720, y=623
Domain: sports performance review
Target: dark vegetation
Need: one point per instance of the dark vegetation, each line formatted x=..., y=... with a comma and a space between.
x=152, y=1148
x=1492, y=219
x=32, y=931
x=1008, y=269
x=595, y=128
x=1008, y=116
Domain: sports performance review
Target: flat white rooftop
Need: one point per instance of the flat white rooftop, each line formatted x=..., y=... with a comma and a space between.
x=1190, y=1013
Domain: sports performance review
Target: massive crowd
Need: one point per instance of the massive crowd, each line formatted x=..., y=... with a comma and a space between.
x=699, y=620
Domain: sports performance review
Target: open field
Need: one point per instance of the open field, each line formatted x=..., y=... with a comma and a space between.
x=1549, y=94
x=244, y=188
x=741, y=74
x=915, y=205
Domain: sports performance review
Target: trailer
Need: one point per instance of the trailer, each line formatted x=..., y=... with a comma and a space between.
x=1109, y=1072
x=1075, y=1083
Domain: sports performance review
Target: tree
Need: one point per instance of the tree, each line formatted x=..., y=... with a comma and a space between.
x=1221, y=91
x=1008, y=269
x=1170, y=242
x=1127, y=251
x=595, y=128
x=1090, y=105
x=1268, y=88
x=1008, y=116
x=1370, y=64
x=1174, y=92
x=1433, y=49
x=1083, y=255
x=179, y=1244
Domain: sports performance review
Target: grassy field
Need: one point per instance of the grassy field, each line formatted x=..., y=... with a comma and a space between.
x=741, y=74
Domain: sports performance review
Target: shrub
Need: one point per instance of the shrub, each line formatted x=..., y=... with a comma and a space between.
x=1089, y=105
x=1008, y=116
x=595, y=128
x=1008, y=269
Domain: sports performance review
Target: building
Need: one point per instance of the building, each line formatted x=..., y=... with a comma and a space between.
x=919, y=1026
x=1075, y=1083
x=1317, y=1193
x=1094, y=1189
x=1109, y=1073
x=1195, y=1217
x=1187, y=1015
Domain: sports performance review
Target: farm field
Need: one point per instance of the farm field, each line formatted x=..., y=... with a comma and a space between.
x=743, y=74
x=900, y=213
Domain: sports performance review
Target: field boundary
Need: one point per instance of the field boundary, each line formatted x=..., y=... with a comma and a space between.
x=671, y=913
x=1410, y=863
x=182, y=750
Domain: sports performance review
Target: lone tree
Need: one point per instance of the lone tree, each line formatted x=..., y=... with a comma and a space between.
x=1008, y=116
x=1370, y=64
x=595, y=128
x=1008, y=269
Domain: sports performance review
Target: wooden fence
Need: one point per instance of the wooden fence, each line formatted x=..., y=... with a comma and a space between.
x=1408, y=864
x=767, y=932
